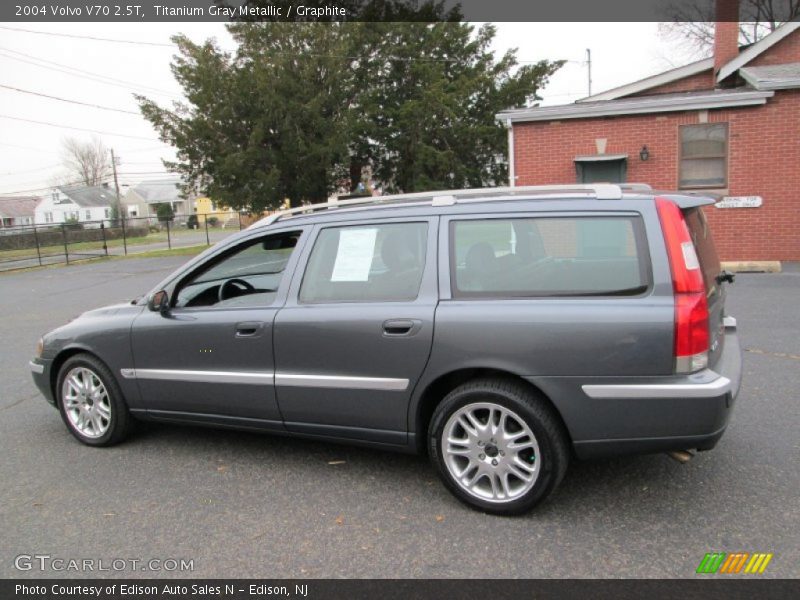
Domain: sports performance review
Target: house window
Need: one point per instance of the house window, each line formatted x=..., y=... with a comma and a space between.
x=48, y=217
x=88, y=215
x=704, y=156
x=107, y=212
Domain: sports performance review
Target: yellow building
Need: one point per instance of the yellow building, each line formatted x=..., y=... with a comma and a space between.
x=206, y=208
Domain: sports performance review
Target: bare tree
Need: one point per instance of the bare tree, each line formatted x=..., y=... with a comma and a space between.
x=693, y=22
x=88, y=162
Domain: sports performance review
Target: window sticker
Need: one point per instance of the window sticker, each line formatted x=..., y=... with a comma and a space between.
x=354, y=257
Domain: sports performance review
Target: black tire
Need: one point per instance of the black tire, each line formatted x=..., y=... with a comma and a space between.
x=119, y=423
x=537, y=414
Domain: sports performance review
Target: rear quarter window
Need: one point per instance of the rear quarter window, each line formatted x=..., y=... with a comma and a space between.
x=704, y=246
x=549, y=256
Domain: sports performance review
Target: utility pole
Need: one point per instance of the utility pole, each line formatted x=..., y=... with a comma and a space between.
x=118, y=207
x=116, y=183
x=589, y=66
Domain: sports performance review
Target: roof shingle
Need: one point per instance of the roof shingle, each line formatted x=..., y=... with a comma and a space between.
x=90, y=197
x=772, y=77
x=163, y=190
x=18, y=206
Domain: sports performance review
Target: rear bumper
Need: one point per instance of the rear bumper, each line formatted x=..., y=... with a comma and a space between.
x=711, y=389
x=615, y=416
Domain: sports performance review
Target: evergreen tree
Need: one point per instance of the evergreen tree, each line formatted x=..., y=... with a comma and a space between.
x=302, y=109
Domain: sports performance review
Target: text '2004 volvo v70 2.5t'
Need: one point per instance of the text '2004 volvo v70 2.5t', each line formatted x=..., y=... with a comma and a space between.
x=500, y=331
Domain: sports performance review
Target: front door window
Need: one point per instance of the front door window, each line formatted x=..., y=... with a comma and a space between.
x=248, y=276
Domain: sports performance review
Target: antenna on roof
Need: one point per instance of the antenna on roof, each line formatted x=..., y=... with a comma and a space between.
x=589, y=68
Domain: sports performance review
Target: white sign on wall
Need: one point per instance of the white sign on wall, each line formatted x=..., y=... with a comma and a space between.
x=740, y=202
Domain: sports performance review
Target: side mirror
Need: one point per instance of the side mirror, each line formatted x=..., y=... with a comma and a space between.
x=159, y=302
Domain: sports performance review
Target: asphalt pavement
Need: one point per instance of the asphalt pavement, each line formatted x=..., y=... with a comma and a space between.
x=248, y=505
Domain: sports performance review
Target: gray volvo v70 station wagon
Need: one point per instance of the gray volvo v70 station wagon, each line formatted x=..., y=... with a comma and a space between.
x=500, y=330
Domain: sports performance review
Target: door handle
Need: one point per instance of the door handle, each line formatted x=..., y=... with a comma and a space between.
x=248, y=328
x=401, y=327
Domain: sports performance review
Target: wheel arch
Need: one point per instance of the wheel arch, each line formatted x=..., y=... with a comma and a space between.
x=435, y=391
x=63, y=356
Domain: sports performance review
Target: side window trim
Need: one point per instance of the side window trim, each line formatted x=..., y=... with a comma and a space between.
x=283, y=288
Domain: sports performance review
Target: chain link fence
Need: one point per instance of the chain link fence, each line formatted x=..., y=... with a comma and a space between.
x=36, y=245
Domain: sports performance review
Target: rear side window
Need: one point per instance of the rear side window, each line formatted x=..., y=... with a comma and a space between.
x=366, y=264
x=530, y=257
x=704, y=246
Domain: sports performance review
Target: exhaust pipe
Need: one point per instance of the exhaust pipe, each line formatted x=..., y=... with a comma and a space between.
x=682, y=456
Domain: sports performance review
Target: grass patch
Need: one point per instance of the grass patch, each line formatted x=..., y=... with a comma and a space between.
x=156, y=237
x=185, y=251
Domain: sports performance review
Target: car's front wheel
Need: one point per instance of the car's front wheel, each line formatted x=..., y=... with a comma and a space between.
x=91, y=402
x=498, y=446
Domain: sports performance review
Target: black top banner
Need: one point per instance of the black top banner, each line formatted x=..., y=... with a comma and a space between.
x=32, y=11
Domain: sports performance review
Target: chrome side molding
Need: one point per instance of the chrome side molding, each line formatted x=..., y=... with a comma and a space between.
x=246, y=377
x=262, y=378
x=341, y=382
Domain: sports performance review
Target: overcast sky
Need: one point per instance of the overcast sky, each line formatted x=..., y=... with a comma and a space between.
x=68, y=67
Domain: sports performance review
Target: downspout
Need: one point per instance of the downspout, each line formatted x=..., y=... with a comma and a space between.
x=511, y=177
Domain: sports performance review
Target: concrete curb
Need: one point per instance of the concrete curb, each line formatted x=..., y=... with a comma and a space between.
x=752, y=266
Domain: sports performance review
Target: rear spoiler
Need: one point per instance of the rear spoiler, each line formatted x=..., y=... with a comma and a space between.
x=689, y=200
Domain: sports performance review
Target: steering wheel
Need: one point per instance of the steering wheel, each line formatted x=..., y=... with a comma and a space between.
x=233, y=288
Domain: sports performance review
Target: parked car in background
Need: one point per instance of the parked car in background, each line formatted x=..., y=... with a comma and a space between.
x=500, y=331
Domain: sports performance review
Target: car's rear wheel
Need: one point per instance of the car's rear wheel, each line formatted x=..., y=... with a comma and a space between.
x=498, y=446
x=91, y=403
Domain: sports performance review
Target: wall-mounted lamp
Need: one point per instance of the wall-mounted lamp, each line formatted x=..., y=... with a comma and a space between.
x=644, y=153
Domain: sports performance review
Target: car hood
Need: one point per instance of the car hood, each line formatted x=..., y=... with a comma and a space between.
x=85, y=330
x=111, y=309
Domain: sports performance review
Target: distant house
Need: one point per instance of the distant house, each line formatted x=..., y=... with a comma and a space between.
x=206, y=208
x=143, y=199
x=727, y=125
x=17, y=210
x=80, y=204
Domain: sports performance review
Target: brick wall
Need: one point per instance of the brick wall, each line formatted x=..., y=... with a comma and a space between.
x=785, y=51
x=764, y=160
x=693, y=83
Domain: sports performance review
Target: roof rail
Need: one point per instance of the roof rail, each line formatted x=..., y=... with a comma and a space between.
x=602, y=191
x=636, y=187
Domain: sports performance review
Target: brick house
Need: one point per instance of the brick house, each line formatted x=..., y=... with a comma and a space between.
x=728, y=125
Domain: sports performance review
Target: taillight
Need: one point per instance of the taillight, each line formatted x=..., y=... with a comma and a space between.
x=691, y=308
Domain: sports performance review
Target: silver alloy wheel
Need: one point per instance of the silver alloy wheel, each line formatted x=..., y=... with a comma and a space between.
x=86, y=402
x=490, y=452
